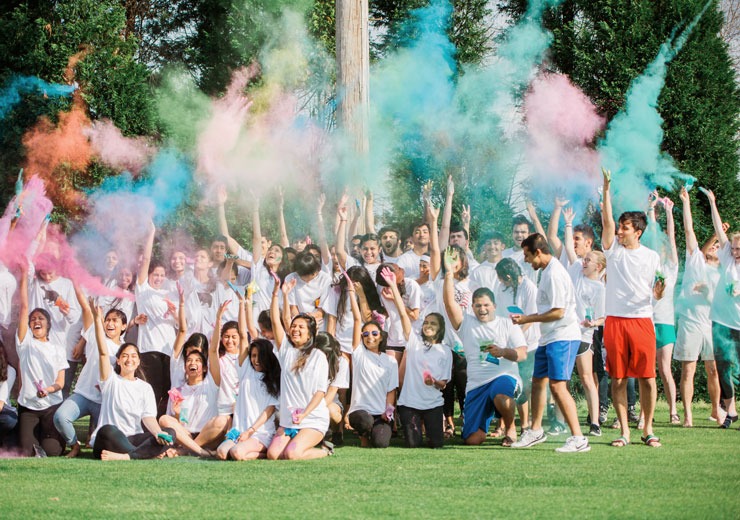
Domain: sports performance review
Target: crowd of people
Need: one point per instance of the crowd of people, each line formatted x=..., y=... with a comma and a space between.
x=276, y=352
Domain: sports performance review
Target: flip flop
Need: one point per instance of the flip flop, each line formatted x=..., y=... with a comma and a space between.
x=651, y=441
x=507, y=441
x=620, y=442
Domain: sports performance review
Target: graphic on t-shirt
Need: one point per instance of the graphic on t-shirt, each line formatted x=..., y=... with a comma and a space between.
x=488, y=358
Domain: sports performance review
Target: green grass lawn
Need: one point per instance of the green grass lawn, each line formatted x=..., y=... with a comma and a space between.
x=695, y=475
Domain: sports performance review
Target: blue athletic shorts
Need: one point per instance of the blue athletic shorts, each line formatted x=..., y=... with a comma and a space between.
x=556, y=360
x=479, y=407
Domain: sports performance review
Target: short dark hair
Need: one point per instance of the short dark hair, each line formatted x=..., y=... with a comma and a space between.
x=386, y=229
x=519, y=220
x=534, y=242
x=638, y=219
x=481, y=292
x=585, y=230
x=264, y=320
x=493, y=235
x=220, y=238
x=306, y=264
x=457, y=228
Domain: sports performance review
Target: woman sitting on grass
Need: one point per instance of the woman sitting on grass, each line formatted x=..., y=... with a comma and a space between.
x=259, y=391
x=128, y=402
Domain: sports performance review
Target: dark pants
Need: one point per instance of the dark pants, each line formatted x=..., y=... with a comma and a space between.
x=456, y=384
x=599, y=368
x=8, y=423
x=36, y=427
x=69, y=376
x=156, y=368
x=727, y=356
x=412, y=419
x=138, y=446
x=372, y=427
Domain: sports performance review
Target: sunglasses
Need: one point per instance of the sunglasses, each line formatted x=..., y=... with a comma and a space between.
x=368, y=332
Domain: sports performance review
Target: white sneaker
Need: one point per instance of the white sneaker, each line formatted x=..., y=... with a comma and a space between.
x=574, y=444
x=530, y=438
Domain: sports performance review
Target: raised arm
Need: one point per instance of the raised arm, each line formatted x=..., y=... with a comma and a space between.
x=465, y=220
x=453, y=309
x=607, y=218
x=570, y=249
x=342, y=214
x=104, y=367
x=369, y=212
x=87, y=316
x=214, y=367
x=432, y=214
x=256, y=230
x=556, y=246
x=719, y=229
x=535, y=219
x=23, y=301
x=249, y=312
x=688, y=222
x=284, y=240
x=356, y=315
x=277, y=325
x=321, y=231
x=146, y=258
x=353, y=226
x=444, y=232
x=670, y=229
x=182, y=324
x=390, y=278
x=287, y=287
x=223, y=227
x=243, y=328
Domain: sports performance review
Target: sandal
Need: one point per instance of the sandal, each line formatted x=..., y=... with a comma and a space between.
x=675, y=419
x=620, y=442
x=449, y=431
x=507, y=441
x=651, y=441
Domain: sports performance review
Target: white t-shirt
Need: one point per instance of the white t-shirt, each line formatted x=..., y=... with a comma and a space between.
x=484, y=276
x=308, y=296
x=555, y=291
x=630, y=276
x=694, y=305
x=412, y=300
x=222, y=294
x=437, y=360
x=726, y=304
x=87, y=384
x=252, y=401
x=125, y=404
x=518, y=257
x=475, y=335
x=8, y=286
x=62, y=327
x=526, y=300
x=345, y=325
x=198, y=405
x=297, y=389
x=373, y=376
x=663, y=309
x=410, y=261
x=341, y=379
x=6, y=386
x=464, y=298
x=229, y=390
x=39, y=361
x=372, y=269
x=590, y=300
x=158, y=333
x=265, y=282
x=125, y=305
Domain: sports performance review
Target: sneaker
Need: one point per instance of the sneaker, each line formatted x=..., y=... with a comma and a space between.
x=556, y=428
x=595, y=430
x=603, y=414
x=728, y=422
x=328, y=447
x=616, y=425
x=38, y=452
x=574, y=444
x=530, y=438
x=632, y=415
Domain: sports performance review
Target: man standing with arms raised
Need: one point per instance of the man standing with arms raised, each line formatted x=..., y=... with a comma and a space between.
x=632, y=277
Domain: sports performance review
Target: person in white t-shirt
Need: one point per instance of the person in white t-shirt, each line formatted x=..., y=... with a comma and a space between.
x=390, y=243
x=338, y=380
x=520, y=229
x=559, y=343
x=128, y=403
x=304, y=417
x=41, y=368
x=312, y=287
x=485, y=274
x=409, y=261
x=86, y=399
x=411, y=294
x=694, y=335
x=425, y=368
x=629, y=335
x=725, y=313
x=493, y=348
x=8, y=413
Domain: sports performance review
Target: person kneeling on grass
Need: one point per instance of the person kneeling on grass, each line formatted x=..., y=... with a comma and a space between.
x=128, y=402
x=493, y=347
x=425, y=369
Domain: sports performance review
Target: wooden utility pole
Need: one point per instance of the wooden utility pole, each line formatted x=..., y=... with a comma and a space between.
x=353, y=70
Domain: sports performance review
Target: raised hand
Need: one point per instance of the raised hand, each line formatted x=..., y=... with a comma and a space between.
x=221, y=195
x=569, y=215
x=389, y=276
x=465, y=215
x=684, y=195
x=450, y=257
x=561, y=202
x=288, y=286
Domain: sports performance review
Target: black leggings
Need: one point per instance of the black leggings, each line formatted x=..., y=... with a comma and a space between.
x=36, y=427
x=372, y=427
x=138, y=446
x=412, y=419
x=726, y=356
x=156, y=368
x=457, y=382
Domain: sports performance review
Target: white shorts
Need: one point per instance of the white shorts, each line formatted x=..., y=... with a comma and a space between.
x=693, y=339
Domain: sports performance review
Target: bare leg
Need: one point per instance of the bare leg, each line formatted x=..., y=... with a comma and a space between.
x=214, y=431
x=648, y=395
x=539, y=401
x=688, y=370
x=663, y=357
x=278, y=444
x=183, y=436
x=506, y=405
x=584, y=364
x=523, y=410
x=619, y=400
x=567, y=405
x=301, y=447
x=250, y=449
x=713, y=387
x=222, y=452
x=112, y=455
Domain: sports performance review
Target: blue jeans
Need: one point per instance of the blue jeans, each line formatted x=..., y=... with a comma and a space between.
x=8, y=423
x=72, y=409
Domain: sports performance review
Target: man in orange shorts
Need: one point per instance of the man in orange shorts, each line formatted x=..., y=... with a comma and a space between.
x=632, y=278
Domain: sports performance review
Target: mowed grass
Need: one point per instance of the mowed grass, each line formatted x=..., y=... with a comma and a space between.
x=695, y=475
